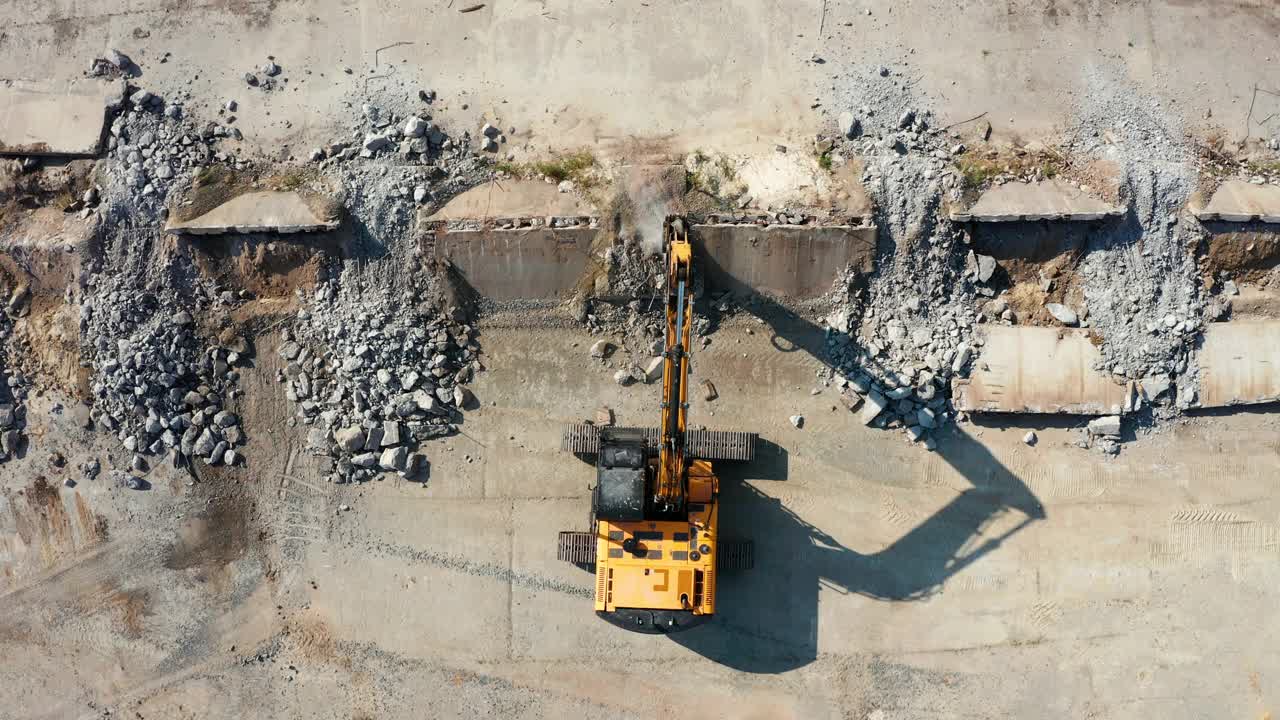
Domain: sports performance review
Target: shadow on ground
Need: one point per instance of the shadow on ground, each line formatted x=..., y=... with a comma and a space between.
x=767, y=618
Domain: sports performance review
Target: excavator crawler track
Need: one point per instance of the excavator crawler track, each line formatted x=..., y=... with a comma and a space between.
x=735, y=555
x=578, y=548
x=584, y=441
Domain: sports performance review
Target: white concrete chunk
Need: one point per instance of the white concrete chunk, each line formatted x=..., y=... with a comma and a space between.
x=1044, y=200
x=279, y=212
x=42, y=121
x=1240, y=201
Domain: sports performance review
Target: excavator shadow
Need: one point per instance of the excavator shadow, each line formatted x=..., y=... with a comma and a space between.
x=767, y=618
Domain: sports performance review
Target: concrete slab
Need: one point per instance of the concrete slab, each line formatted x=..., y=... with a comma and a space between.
x=1038, y=370
x=1240, y=201
x=534, y=263
x=1240, y=363
x=44, y=122
x=792, y=261
x=513, y=198
x=537, y=263
x=1045, y=200
x=277, y=212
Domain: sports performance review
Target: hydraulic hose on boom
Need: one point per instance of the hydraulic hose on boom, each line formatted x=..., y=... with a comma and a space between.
x=669, y=493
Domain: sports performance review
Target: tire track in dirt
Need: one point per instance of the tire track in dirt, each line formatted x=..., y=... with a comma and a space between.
x=1203, y=532
x=478, y=569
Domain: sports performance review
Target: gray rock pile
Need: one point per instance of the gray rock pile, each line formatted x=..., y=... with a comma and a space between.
x=155, y=145
x=374, y=379
x=896, y=344
x=383, y=132
x=157, y=386
x=1142, y=287
x=417, y=164
x=13, y=391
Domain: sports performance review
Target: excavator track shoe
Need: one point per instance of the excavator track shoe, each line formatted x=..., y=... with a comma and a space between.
x=734, y=555
x=584, y=440
x=578, y=548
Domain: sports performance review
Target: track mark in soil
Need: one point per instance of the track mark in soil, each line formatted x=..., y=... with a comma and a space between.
x=1201, y=531
x=478, y=569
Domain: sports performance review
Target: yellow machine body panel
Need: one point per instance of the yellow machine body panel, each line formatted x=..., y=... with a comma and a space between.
x=671, y=567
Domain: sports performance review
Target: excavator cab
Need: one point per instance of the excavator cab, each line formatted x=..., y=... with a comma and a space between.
x=655, y=543
x=621, y=476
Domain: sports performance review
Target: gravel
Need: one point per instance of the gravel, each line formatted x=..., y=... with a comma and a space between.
x=373, y=374
x=157, y=385
x=13, y=393
x=897, y=338
x=1138, y=271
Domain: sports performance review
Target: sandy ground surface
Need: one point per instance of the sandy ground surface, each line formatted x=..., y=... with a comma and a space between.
x=721, y=74
x=988, y=579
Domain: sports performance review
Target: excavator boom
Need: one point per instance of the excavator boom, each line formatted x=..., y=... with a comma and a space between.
x=670, y=491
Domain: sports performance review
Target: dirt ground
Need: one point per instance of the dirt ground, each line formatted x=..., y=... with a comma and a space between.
x=988, y=579
x=719, y=75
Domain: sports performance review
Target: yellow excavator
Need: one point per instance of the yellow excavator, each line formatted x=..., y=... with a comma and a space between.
x=656, y=545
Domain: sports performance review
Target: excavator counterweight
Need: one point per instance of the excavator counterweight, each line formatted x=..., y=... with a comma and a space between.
x=655, y=544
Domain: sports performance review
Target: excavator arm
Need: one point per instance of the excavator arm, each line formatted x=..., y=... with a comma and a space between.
x=669, y=490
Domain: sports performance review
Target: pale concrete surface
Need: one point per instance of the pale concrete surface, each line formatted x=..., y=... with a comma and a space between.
x=1241, y=201
x=986, y=580
x=51, y=120
x=514, y=198
x=1043, y=200
x=532, y=263
x=1240, y=363
x=1023, y=369
x=568, y=74
x=790, y=261
x=277, y=212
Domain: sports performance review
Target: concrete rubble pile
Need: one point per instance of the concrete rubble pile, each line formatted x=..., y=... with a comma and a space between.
x=418, y=165
x=155, y=145
x=157, y=386
x=1141, y=285
x=383, y=132
x=375, y=378
x=632, y=270
x=13, y=391
x=896, y=343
